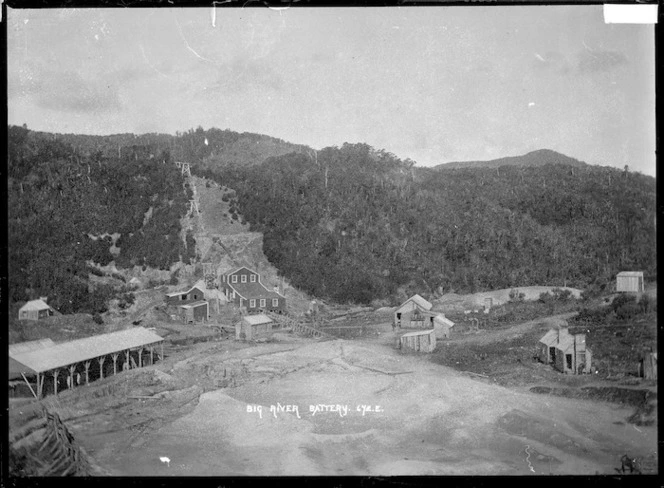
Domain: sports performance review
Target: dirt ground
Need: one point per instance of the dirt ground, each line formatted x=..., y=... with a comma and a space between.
x=430, y=420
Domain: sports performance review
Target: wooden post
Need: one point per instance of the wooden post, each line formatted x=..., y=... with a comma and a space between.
x=161, y=356
x=87, y=376
x=39, y=390
x=151, y=355
x=115, y=362
x=126, y=360
x=55, y=382
x=140, y=357
x=101, y=367
x=71, y=375
x=28, y=383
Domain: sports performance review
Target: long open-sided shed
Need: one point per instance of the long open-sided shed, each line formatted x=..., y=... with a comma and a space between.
x=75, y=357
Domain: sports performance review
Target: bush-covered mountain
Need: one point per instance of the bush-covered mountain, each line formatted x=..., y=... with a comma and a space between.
x=540, y=157
x=354, y=224
x=63, y=204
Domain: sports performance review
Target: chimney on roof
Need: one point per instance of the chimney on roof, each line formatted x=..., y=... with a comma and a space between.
x=44, y=299
x=276, y=288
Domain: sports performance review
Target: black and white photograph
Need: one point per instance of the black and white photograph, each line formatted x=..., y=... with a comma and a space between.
x=285, y=240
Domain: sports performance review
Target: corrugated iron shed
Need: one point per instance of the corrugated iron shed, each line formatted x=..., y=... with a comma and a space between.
x=67, y=353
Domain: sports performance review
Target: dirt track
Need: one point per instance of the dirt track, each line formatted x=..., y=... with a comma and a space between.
x=491, y=336
x=434, y=420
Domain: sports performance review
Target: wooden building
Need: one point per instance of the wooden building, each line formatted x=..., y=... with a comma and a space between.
x=244, y=288
x=194, y=294
x=194, y=312
x=420, y=341
x=630, y=281
x=567, y=352
x=35, y=310
x=414, y=313
x=253, y=326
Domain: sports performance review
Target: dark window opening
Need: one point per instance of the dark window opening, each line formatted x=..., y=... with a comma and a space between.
x=552, y=353
x=568, y=357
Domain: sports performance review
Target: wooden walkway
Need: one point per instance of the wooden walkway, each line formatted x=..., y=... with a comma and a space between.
x=297, y=327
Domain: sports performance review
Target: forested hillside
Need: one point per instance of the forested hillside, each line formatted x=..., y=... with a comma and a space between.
x=64, y=202
x=351, y=224
x=354, y=224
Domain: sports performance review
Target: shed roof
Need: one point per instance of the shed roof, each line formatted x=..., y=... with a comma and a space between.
x=182, y=292
x=440, y=318
x=29, y=346
x=566, y=342
x=250, y=291
x=35, y=305
x=257, y=319
x=67, y=353
x=419, y=301
x=636, y=274
x=550, y=338
x=194, y=305
x=418, y=332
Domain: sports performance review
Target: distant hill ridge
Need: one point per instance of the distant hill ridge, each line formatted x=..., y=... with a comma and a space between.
x=540, y=157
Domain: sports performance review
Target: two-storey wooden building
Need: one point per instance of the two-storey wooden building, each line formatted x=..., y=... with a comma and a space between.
x=244, y=288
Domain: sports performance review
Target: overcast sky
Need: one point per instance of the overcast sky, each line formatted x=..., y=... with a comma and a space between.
x=431, y=84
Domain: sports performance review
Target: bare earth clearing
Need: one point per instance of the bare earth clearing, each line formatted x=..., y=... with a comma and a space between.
x=433, y=419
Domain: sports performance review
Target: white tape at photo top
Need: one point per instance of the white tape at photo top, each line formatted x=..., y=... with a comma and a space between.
x=630, y=14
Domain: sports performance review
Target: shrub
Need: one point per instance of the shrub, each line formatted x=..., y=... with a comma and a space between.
x=96, y=317
x=544, y=297
x=647, y=304
x=621, y=300
x=628, y=311
x=515, y=296
x=593, y=315
x=561, y=294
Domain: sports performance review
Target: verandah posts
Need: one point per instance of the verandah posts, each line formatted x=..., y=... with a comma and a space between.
x=87, y=376
x=55, y=381
x=101, y=367
x=115, y=362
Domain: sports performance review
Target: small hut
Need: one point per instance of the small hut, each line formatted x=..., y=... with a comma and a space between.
x=630, y=281
x=194, y=312
x=253, y=326
x=571, y=355
x=567, y=352
x=35, y=310
x=421, y=341
x=442, y=326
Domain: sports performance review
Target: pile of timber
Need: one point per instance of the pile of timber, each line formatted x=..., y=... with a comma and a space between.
x=298, y=327
x=45, y=447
